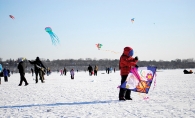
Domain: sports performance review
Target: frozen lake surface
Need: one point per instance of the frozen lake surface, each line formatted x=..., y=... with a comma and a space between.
x=97, y=97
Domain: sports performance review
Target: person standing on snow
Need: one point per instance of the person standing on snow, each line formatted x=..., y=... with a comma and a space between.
x=5, y=74
x=64, y=71
x=21, y=67
x=39, y=69
x=90, y=69
x=95, y=70
x=125, y=64
x=72, y=73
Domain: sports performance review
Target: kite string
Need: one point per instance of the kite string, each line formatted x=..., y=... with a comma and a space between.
x=110, y=51
x=154, y=80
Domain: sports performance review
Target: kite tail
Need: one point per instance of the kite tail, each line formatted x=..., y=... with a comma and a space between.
x=145, y=97
x=111, y=51
x=57, y=39
x=53, y=40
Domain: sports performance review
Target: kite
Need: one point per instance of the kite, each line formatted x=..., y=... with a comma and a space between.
x=99, y=46
x=12, y=17
x=54, y=38
x=140, y=79
x=132, y=20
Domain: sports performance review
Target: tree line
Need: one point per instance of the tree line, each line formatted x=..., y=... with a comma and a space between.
x=82, y=64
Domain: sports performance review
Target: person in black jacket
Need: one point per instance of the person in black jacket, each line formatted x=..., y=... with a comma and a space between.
x=90, y=69
x=21, y=67
x=39, y=69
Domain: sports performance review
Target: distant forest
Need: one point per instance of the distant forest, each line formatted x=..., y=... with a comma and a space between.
x=82, y=64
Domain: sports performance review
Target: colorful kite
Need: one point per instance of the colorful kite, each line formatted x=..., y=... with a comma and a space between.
x=132, y=20
x=54, y=38
x=99, y=46
x=140, y=79
x=12, y=17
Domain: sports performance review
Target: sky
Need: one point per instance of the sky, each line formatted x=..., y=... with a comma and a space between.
x=162, y=29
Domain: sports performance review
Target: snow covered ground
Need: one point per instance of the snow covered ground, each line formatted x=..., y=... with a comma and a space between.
x=97, y=97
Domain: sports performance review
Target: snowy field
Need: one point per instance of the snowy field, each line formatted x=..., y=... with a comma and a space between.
x=97, y=97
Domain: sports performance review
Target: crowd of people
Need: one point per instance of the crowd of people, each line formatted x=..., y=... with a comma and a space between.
x=125, y=64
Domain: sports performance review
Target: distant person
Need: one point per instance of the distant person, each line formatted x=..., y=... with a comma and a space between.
x=114, y=70
x=108, y=71
x=90, y=69
x=125, y=64
x=1, y=75
x=187, y=72
x=5, y=74
x=39, y=69
x=43, y=74
x=21, y=67
x=48, y=71
x=64, y=71
x=61, y=71
x=95, y=70
x=8, y=72
x=32, y=71
x=72, y=74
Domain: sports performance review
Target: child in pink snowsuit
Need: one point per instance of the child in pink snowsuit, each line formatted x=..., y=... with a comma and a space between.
x=61, y=72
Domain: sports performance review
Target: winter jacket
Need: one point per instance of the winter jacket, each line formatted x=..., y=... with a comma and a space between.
x=5, y=72
x=72, y=72
x=126, y=62
x=96, y=68
x=21, y=67
x=37, y=63
x=90, y=68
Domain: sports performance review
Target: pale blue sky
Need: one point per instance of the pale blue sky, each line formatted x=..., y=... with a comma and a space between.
x=162, y=30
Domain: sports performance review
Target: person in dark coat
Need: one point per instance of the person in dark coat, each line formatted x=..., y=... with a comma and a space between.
x=64, y=71
x=8, y=72
x=39, y=69
x=21, y=67
x=125, y=64
x=90, y=69
x=187, y=72
x=5, y=74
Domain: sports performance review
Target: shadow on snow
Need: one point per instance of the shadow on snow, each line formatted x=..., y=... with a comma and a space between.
x=58, y=104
